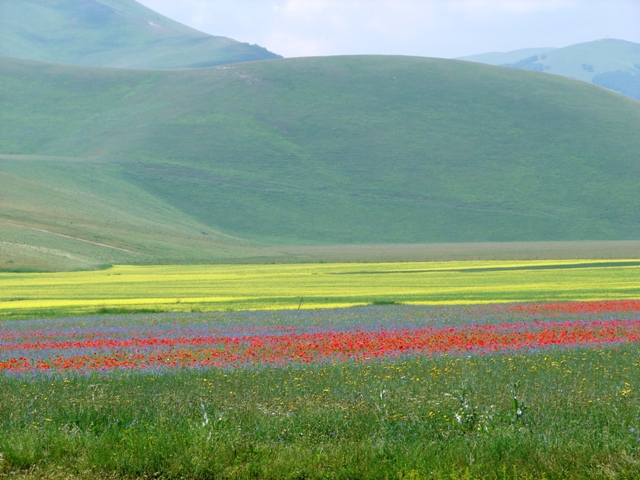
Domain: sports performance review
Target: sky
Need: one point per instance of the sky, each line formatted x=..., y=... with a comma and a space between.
x=428, y=28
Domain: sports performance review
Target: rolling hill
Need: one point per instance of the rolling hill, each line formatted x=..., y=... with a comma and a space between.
x=111, y=33
x=102, y=166
x=609, y=63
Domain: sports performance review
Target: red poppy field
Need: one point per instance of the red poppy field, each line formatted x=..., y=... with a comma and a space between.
x=180, y=345
x=514, y=390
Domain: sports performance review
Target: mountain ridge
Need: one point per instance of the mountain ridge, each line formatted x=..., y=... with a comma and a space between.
x=112, y=33
x=609, y=63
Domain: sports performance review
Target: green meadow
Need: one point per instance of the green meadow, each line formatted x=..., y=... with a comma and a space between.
x=543, y=414
x=187, y=288
x=549, y=414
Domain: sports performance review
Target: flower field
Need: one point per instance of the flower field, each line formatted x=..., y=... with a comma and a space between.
x=47, y=346
x=538, y=389
x=193, y=288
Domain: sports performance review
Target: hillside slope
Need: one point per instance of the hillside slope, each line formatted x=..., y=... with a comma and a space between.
x=175, y=165
x=610, y=63
x=111, y=33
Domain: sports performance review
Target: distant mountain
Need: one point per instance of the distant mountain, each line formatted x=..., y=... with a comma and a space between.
x=506, y=58
x=609, y=63
x=111, y=33
x=135, y=166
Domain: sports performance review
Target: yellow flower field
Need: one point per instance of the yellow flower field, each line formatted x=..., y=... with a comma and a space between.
x=226, y=287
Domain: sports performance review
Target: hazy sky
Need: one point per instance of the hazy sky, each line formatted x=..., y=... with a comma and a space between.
x=432, y=28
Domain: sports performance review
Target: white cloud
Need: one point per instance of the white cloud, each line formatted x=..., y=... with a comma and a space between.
x=444, y=28
x=402, y=20
x=304, y=9
x=322, y=27
x=295, y=44
x=339, y=22
x=510, y=6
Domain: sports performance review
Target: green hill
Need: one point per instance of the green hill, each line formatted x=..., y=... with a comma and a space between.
x=207, y=164
x=610, y=63
x=111, y=33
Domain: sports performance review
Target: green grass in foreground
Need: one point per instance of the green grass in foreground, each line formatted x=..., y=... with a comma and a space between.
x=185, y=288
x=546, y=414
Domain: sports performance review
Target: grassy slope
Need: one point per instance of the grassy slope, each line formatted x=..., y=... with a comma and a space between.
x=117, y=33
x=317, y=151
x=103, y=220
